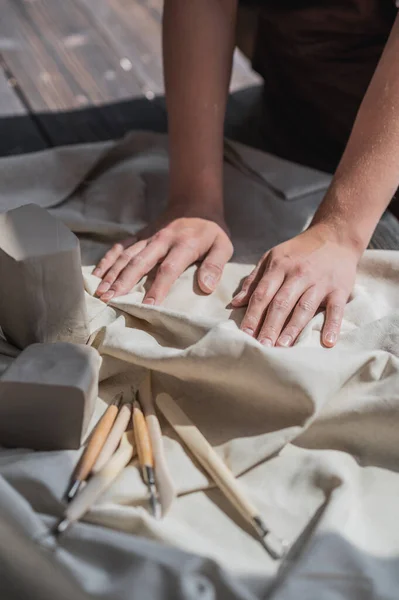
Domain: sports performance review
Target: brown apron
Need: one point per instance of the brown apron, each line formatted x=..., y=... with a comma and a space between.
x=317, y=59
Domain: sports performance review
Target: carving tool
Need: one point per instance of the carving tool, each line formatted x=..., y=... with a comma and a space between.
x=94, y=447
x=97, y=484
x=146, y=459
x=222, y=476
x=114, y=437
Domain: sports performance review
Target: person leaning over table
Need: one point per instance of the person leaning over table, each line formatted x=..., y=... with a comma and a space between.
x=321, y=58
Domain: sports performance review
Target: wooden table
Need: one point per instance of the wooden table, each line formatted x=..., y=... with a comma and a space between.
x=74, y=71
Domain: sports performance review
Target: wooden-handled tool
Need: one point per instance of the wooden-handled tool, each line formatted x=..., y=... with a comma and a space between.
x=97, y=485
x=216, y=468
x=146, y=459
x=94, y=447
x=114, y=438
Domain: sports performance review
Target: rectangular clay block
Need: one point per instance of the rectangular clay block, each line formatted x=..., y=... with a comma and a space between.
x=47, y=396
x=42, y=297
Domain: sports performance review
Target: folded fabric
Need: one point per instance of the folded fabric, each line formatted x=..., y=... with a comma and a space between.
x=311, y=432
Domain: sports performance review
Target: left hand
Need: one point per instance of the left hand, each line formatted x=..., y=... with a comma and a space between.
x=293, y=280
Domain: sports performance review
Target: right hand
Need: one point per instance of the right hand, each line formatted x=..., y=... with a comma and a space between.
x=179, y=238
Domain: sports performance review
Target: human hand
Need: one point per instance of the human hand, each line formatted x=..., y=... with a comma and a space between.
x=292, y=281
x=179, y=238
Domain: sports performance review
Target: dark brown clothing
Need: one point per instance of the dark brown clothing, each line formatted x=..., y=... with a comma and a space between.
x=317, y=59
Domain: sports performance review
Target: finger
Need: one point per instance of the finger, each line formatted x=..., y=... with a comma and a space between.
x=110, y=257
x=119, y=264
x=137, y=267
x=260, y=300
x=279, y=310
x=304, y=311
x=249, y=285
x=176, y=262
x=212, y=266
x=335, y=307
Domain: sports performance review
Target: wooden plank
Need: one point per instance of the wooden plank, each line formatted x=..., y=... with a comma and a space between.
x=59, y=59
x=135, y=34
x=10, y=104
x=18, y=131
x=134, y=29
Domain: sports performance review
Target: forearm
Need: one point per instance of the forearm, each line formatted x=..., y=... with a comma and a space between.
x=368, y=174
x=198, y=42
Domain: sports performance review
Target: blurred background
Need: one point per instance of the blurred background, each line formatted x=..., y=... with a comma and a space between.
x=75, y=71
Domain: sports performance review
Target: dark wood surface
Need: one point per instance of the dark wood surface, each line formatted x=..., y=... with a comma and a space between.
x=74, y=71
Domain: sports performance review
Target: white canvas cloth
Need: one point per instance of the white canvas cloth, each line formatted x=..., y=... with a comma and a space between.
x=312, y=433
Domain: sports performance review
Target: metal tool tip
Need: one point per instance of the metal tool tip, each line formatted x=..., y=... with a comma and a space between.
x=73, y=490
x=276, y=548
x=62, y=526
x=155, y=504
x=117, y=400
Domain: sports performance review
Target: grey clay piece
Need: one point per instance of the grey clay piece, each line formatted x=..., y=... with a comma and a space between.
x=42, y=295
x=47, y=396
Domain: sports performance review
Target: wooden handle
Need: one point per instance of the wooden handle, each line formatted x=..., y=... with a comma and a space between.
x=206, y=455
x=100, y=482
x=96, y=442
x=114, y=437
x=142, y=437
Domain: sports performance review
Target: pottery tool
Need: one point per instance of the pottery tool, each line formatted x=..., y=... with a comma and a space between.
x=94, y=447
x=216, y=468
x=146, y=458
x=114, y=437
x=97, y=485
x=165, y=486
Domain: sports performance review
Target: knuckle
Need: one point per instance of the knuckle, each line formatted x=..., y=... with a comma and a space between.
x=102, y=263
x=119, y=286
x=334, y=321
x=250, y=321
x=137, y=262
x=275, y=263
x=258, y=296
x=116, y=248
x=268, y=331
x=335, y=308
x=300, y=271
x=161, y=235
x=110, y=276
x=167, y=268
x=280, y=303
x=126, y=256
x=292, y=330
x=307, y=306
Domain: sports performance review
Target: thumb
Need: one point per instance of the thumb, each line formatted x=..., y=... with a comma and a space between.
x=211, y=269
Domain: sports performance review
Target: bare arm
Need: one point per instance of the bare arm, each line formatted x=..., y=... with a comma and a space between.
x=318, y=267
x=198, y=43
x=368, y=174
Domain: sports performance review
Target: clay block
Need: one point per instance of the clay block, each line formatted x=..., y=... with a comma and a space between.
x=42, y=296
x=47, y=396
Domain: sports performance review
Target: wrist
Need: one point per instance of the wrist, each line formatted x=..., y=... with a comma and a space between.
x=197, y=202
x=343, y=219
x=340, y=232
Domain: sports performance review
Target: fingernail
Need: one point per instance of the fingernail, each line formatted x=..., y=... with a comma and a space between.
x=209, y=281
x=266, y=342
x=103, y=287
x=239, y=297
x=331, y=337
x=107, y=296
x=149, y=301
x=285, y=340
x=96, y=272
x=248, y=331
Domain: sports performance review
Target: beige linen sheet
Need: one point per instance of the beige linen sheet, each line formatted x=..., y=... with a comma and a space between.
x=312, y=433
